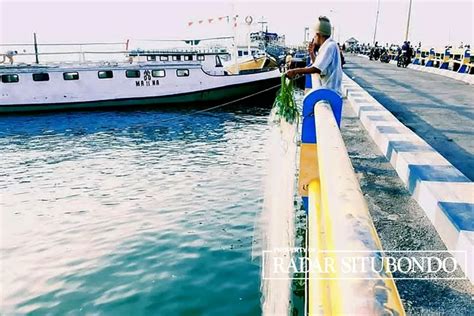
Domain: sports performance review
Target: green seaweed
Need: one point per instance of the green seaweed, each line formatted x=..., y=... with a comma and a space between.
x=285, y=103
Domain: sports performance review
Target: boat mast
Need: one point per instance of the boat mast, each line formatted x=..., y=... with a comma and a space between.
x=36, y=48
x=233, y=22
x=263, y=22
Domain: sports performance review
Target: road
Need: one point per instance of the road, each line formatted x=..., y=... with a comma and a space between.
x=439, y=109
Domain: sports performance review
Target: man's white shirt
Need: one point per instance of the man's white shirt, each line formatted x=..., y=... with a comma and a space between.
x=328, y=60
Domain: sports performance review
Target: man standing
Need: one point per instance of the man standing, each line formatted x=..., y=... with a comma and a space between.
x=327, y=63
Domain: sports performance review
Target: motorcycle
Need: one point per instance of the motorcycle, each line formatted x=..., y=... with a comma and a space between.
x=384, y=58
x=403, y=60
x=374, y=53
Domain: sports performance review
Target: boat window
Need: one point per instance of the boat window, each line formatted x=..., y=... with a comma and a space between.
x=164, y=58
x=41, y=76
x=158, y=73
x=151, y=58
x=246, y=53
x=9, y=78
x=105, y=74
x=182, y=72
x=218, y=61
x=176, y=57
x=132, y=73
x=240, y=53
x=71, y=76
x=188, y=57
x=200, y=57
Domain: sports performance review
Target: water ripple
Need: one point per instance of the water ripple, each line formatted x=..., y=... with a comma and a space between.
x=124, y=212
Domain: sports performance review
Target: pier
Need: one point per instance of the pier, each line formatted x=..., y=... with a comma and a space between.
x=421, y=125
x=438, y=109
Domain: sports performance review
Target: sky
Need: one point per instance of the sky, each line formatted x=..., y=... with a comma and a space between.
x=434, y=23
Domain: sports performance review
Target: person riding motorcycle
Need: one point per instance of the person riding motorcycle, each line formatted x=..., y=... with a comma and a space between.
x=374, y=52
x=404, y=56
x=384, y=56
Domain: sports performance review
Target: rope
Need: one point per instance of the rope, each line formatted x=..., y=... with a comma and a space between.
x=212, y=108
x=227, y=103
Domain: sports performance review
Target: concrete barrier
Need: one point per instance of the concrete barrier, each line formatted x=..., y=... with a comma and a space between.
x=464, y=77
x=442, y=191
x=440, y=63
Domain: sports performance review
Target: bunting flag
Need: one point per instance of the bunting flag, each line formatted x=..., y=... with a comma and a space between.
x=220, y=18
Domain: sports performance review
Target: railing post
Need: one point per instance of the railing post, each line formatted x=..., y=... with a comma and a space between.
x=465, y=61
x=446, y=58
x=431, y=57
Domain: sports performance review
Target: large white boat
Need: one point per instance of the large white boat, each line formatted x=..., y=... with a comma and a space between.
x=147, y=77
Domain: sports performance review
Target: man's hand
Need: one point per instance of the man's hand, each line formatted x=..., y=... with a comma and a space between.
x=291, y=73
x=311, y=47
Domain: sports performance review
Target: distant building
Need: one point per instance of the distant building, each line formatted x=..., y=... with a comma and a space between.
x=351, y=41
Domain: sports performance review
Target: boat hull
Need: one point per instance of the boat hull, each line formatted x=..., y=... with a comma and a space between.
x=263, y=90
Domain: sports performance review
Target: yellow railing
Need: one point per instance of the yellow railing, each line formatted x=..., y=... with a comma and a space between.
x=341, y=227
x=339, y=223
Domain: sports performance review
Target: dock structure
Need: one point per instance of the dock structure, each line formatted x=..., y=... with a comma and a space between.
x=426, y=134
x=439, y=110
x=410, y=124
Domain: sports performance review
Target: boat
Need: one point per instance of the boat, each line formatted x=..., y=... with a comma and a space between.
x=252, y=64
x=145, y=77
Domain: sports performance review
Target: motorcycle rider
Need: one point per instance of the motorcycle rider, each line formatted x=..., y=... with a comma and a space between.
x=375, y=52
x=407, y=52
x=410, y=52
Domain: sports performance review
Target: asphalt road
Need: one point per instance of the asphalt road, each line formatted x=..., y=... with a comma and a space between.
x=401, y=224
x=439, y=109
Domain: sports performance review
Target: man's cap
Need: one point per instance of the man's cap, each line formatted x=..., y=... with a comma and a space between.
x=323, y=26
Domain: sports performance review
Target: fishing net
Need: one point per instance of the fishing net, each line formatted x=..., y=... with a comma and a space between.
x=275, y=229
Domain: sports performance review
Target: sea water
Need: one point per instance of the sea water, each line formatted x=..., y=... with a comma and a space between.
x=131, y=212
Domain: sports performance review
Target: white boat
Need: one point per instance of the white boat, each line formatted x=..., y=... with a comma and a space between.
x=150, y=77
